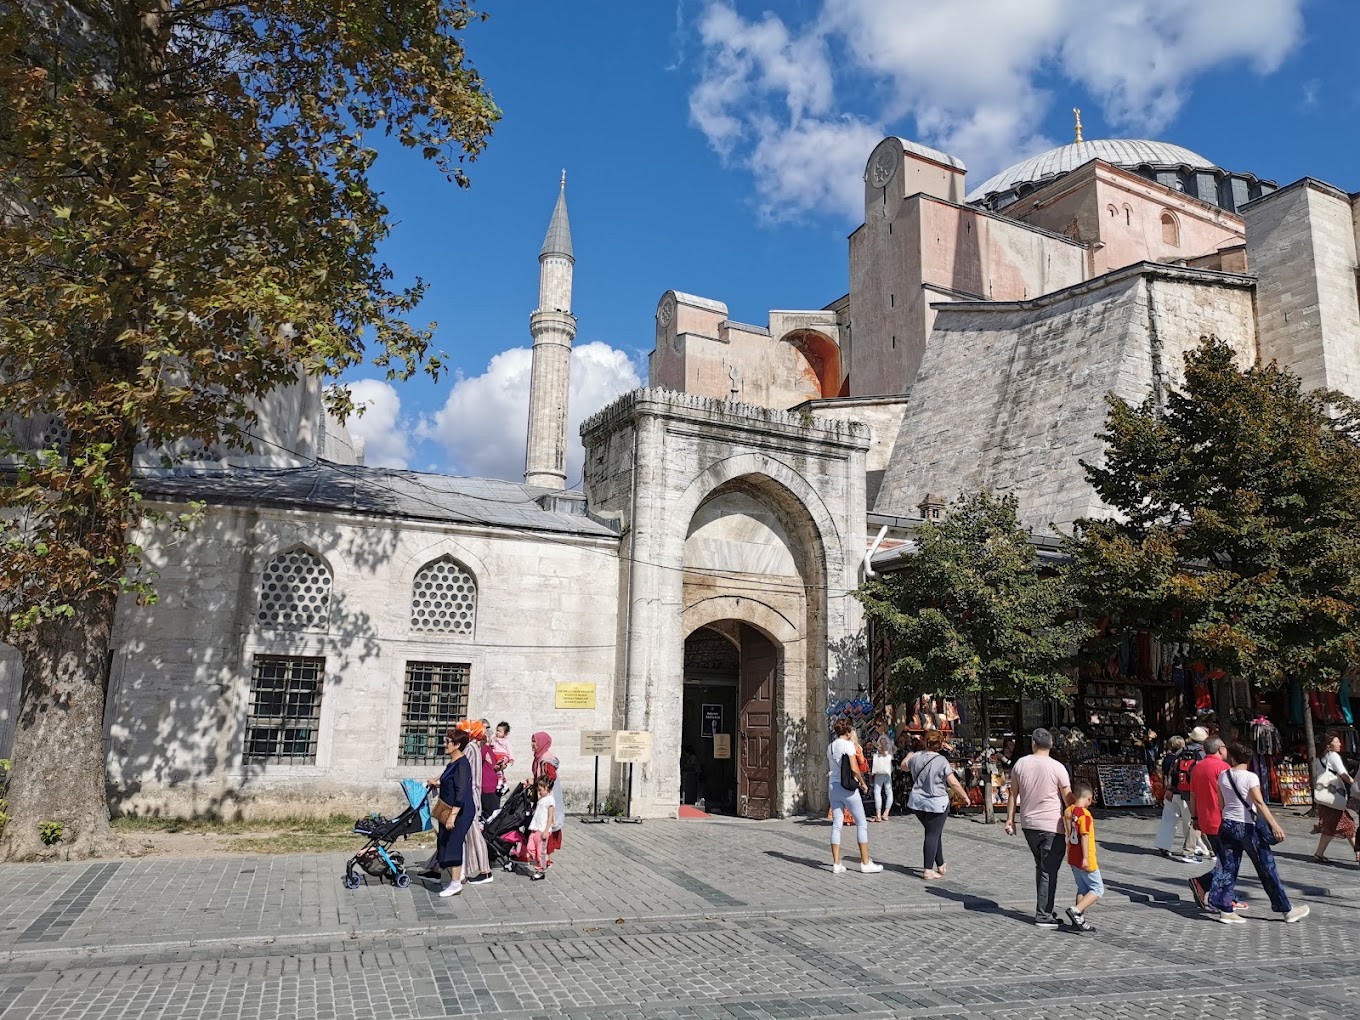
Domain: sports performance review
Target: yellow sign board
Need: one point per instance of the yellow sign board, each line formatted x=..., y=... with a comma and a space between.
x=571, y=695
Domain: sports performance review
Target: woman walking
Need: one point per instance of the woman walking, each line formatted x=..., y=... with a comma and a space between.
x=455, y=792
x=1240, y=792
x=1334, y=819
x=883, y=777
x=932, y=776
x=476, y=859
x=845, y=783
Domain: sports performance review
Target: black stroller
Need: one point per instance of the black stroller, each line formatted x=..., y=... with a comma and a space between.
x=377, y=857
x=505, y=834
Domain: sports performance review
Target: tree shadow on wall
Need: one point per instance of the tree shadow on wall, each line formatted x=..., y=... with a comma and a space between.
x=179, y=686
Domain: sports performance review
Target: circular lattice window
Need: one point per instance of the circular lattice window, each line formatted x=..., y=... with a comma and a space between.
x=296, y=592
x=55, y=436
x=443, y=598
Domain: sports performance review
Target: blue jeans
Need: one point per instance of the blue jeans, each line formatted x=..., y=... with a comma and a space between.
x=1236, y=839
x=841, y=801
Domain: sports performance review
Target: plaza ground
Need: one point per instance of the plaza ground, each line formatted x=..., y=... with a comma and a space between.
x=675, y=919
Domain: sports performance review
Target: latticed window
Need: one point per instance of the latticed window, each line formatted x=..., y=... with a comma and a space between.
x=444, y=598
x=295, y=592
x=435, y=699
x=285, y=709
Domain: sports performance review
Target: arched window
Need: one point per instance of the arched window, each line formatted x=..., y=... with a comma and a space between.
x=444, y=598
x=1128, y=216
x=295, y=592
x=1171, y=232
x=1113, y=211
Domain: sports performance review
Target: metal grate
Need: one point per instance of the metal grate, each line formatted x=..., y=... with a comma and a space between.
x=285, y=710
x=444, y=598
x=435, y=699
x=295, y=592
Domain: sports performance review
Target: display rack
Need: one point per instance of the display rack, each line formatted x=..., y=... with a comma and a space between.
x=1296, y=783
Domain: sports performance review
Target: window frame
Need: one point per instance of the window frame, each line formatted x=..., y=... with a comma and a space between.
x=430, y=725
x=278, y=722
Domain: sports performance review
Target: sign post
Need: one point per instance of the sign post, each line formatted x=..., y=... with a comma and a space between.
x=632, y=746
x=596, y=743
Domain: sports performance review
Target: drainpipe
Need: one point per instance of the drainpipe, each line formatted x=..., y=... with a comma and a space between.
x=869, y=573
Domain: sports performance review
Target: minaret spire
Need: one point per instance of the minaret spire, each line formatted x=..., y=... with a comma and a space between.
x=553, y=328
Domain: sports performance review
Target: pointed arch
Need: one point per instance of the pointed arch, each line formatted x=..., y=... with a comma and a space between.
x=444, y=598
x=295, y=591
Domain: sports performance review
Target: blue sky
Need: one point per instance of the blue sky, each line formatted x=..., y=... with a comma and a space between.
x=715, y=147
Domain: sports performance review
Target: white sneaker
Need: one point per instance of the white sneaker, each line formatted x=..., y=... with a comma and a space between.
x=452, y=889
x=838, y=869
x=1229, y=918
x=871, y=868
x=1297, y=914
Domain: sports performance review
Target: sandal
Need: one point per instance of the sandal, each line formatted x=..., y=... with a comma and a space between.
x=1319, y=859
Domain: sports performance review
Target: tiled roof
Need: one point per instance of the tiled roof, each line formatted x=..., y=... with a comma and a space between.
x=1065, y=158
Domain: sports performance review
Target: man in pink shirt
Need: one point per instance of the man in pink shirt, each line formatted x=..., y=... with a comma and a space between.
x=1043, y=789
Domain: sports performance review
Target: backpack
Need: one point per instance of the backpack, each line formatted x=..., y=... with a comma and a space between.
x=1182, y=767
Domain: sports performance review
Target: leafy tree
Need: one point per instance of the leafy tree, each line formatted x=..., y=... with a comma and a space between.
x=187, y=222
x=1237, y=529
x=970, y=613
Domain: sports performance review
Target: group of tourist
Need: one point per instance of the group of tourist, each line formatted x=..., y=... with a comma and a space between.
x=469, y=795
x=1211, y=794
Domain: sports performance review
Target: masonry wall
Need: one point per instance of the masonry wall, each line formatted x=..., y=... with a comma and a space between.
x=180, y=683
x=1011, y=395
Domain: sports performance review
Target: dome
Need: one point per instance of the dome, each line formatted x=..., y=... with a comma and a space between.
x=1126, y=152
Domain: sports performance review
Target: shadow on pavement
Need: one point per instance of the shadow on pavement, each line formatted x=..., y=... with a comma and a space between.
x=980, y=904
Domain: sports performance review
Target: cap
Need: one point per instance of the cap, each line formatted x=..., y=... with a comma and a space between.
x=1199, y=735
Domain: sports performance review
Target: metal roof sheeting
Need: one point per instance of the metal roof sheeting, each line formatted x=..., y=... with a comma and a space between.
x=1066, y=158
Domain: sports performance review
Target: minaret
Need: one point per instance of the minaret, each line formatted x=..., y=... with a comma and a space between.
x=553, y=327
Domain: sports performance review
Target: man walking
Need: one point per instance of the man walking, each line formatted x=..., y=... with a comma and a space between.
x=1041, y=788
x=1176, y=816
x=1206, y=810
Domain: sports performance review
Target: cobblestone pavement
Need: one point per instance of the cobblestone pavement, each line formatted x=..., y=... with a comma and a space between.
x=674, y=920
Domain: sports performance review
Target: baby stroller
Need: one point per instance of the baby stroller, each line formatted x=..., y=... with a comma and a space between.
x=377, y=858
x=505, y=833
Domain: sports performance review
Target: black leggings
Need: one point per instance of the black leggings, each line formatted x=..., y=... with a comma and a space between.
x=934, y=845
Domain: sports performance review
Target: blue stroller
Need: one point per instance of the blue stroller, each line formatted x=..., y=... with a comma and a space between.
x=377, y=858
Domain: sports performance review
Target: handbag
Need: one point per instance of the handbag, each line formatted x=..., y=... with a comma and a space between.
x=1329, y=791
x=849, y=781
x=1263, y=831
x=443, y=812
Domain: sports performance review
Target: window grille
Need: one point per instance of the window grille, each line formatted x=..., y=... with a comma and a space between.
x=285, y=710
x=295, y=592
x=435, y=698
x=444, y=598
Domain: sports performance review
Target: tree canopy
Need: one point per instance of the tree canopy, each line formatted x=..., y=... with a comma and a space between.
x=1237, y=529
x=969, y=612
x=187, y=221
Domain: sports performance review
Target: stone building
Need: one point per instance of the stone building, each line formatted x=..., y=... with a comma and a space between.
x=316, y=632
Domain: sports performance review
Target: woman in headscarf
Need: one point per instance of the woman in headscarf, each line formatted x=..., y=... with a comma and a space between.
x=546, y=764
x=476, y=860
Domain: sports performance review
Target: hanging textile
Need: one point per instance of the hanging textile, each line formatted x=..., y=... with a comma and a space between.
x=1345, y=699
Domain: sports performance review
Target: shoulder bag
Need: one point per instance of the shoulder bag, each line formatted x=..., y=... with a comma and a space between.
x=1328, y=790
x=849, y=781
x=1263, y=831
x=443, y=812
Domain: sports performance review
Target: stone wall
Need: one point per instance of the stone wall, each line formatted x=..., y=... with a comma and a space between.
x=180, y=683
x=1011, y=394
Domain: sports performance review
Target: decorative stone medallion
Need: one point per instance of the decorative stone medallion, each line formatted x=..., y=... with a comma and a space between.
x=666, y=312
x=884, y=164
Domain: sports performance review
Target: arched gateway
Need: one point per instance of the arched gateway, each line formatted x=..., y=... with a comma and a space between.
x=741, y=541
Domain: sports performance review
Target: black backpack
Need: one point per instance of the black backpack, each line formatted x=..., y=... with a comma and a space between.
x=1181, y=768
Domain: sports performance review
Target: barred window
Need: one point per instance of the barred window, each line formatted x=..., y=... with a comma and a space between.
x=435, y=699
x=295, y=592
x=285, y=709
x=444, y=598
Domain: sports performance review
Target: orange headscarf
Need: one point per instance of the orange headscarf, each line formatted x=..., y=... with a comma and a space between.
x=473, y=728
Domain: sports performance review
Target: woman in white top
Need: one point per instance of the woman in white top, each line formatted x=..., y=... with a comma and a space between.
x=845, y=798
x=1333, y=818
x=882, y=770
x=1240, y=791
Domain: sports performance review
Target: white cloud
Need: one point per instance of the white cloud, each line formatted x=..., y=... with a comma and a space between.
x=380, y=425
x=484, y=422
x=965, y=76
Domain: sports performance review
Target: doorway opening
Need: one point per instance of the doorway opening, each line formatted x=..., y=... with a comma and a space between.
x=727, y=727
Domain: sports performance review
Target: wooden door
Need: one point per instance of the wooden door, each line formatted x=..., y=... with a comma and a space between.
x=755, y=764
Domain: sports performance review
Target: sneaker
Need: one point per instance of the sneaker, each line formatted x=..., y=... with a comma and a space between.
x=538, y=876
x=1078, y=920
x=486, y=879
x=1164, y=853
x=1229, y=918
x=1296, y=915
x=1049, y=921
x=1188, y=859
x=1197, y=891
x=838, y=869
x=452, y=889
x=871, y=868
x=1239, y=905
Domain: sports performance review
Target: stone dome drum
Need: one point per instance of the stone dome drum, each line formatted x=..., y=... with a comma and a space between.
x=1124, y=152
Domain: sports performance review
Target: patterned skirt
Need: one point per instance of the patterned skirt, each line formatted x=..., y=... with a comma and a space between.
x=1336, y=822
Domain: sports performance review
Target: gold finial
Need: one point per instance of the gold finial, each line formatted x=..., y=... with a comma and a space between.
x=1077, y=111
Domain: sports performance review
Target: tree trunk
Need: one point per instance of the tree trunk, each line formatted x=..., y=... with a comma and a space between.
x=988, y=809
x=58, y=757
x=1311, y=738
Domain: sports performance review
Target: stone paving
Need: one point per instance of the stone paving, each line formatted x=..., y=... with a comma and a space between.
x=683, y=919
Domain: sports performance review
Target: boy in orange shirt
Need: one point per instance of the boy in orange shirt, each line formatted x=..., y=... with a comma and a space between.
x=1081, y=855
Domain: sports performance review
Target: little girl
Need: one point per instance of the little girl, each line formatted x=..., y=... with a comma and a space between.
x=540, y=827
x=883, y=791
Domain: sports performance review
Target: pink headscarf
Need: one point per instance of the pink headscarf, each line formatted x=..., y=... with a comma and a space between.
x=542, y=742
